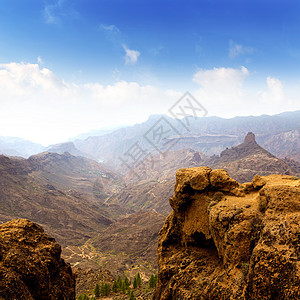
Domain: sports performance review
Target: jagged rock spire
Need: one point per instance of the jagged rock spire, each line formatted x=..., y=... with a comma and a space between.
x=250, y=138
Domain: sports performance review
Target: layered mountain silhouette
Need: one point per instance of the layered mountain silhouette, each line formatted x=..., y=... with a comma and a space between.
x=60, y=192
x=209, y=135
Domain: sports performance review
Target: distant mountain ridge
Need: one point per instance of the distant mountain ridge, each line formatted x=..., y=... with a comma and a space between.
x=14, y=146
x=209, y=135
x=279, y=134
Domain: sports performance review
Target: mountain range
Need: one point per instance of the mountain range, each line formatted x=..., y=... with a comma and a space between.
x=279, y=134
x=107, y=215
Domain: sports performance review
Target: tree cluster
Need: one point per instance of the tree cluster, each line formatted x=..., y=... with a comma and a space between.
x=153, y=281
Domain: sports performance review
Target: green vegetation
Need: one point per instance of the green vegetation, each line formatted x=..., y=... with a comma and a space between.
x=119, y=286
x=153, y=281
x=97, y=290
x=105, y=289
x=115, y=287
x=131, y=296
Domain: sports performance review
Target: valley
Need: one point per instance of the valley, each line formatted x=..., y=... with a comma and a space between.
x=107, y=218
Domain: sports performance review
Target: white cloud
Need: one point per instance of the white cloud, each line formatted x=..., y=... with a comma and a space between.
x=38, y=105
x=238, y=49
x=225, y=92
x=221, y=78
x=131, y=56
x=274, y=94
x=50, y=13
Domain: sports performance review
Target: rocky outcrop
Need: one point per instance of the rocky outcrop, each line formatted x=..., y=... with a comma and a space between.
x=30, y=264
x=248, y=159
x=229, y=241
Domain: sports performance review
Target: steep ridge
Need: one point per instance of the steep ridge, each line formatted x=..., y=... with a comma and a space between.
x=30, y=264
x=247, y=159
x=71, y=217
x=224, y=240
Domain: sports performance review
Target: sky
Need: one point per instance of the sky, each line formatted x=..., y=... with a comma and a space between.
x=70, y=66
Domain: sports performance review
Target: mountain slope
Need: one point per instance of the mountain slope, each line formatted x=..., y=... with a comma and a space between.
x=128, y=245
x=69, y=216
x=66, y=171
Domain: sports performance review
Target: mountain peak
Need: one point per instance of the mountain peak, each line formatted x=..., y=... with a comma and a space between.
x=250, y=138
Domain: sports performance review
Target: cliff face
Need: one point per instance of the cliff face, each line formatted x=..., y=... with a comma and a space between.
x=30, y=264
x=229, y=241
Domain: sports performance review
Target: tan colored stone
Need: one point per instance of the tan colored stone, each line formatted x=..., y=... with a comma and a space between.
x=232, y=249
x=221, y=180
x=258, y=182
x=197, y=178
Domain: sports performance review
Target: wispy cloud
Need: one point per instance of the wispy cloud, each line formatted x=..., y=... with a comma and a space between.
x=50, y=12
x=131, y=56
x=236, y=50
x=274, y=94
x=56, y=10
x=113, y=29
x=40, y=60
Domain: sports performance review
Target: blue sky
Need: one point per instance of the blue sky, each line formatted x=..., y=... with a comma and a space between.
x=63, y=59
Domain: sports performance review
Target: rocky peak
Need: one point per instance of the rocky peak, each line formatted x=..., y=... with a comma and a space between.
x=229, y=241
x=30, y=264
x=250, y=138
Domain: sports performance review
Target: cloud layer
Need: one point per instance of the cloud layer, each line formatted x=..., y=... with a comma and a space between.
x=39, y=105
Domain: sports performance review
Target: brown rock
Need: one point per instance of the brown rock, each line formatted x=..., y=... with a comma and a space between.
x=30, y=264
x=231, y=248
x=197, y=178
x=258, y=182
x=220, y=180
x=188, y=180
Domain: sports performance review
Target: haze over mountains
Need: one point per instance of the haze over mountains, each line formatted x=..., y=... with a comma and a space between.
x=209, y=135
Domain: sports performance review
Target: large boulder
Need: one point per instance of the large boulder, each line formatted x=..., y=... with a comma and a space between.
x=226, y=241
x=30, y=264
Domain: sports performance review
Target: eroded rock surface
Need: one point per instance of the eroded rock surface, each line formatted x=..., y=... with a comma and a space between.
x=229, y=241
x=30, y=264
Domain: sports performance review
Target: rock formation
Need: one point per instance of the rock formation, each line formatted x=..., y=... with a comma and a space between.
x=224, y=240
x=247, y=159
x=30, y=264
